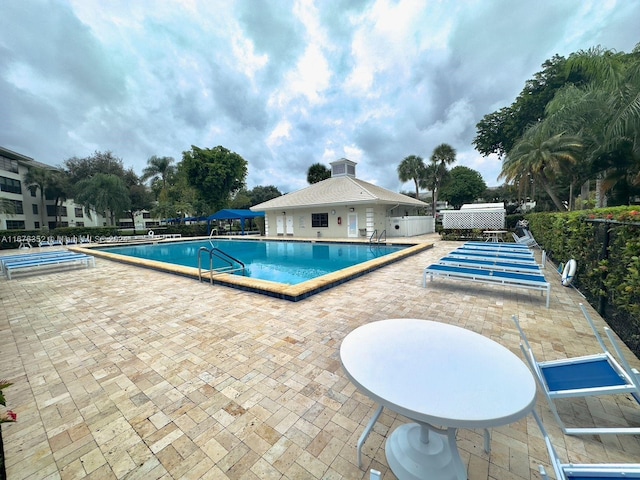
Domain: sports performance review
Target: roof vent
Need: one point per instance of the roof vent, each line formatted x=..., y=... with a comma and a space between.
x=342, y=168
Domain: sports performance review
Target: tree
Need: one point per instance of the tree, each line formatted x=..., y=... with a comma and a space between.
x=463, y=185
x=37, y=178
x=100, y=162
x=158, y=168
x=436, y=172
x=216, y=174
x=317, y=172
x=499, y=131
x=141, y=199
x=412, y=168
x=58, y=188
x=543, y=155
x=261, y=194
x=104, y=192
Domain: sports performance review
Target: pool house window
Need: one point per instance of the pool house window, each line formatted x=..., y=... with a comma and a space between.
x=319, y=220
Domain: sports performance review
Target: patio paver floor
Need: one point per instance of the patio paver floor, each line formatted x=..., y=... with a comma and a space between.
x=123, y=372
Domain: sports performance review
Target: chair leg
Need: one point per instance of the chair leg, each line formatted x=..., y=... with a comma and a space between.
x=366, y=432
x=487, y=440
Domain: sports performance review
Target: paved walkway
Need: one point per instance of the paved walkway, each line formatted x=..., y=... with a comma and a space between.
x=122, y=372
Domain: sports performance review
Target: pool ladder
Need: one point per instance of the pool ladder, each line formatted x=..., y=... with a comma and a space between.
x=230, y=261
x=379, y=239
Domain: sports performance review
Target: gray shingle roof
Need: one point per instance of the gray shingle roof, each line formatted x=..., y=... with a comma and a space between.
x=339, y=191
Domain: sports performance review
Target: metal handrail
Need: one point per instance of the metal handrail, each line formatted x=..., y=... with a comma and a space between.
x=214, y=251
x=378, y=239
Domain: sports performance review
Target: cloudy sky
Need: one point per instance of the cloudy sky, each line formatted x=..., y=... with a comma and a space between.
x=284, y=83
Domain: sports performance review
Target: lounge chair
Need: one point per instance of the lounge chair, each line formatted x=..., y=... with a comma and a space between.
x=489, y=256
x=585, y=376
x=38, y=262
x=491, y=263
x=513, y=279
x=584, y=471
x=30, y=256
x=526, y=240
x=496, y=246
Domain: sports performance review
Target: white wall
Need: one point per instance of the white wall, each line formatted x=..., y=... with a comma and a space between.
x=369, y=218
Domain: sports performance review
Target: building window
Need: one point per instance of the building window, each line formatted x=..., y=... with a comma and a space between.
x=15, y=224
x=10, y=185
x=32, y=190
x=79, y=212
x=36, y=225
x=152, y=224
x=79, y=224
x=146, y=215
x=319, y=220
x=34, y=208
x=125, y=224
x=17, y=207
x=8, y=165
x=52, y=212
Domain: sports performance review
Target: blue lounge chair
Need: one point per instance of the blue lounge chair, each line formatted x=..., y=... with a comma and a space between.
x=30, y=256
x=514, y=279
x=488, y=256
x=584, y=471
x=47, y=261
x=507, y=247
x=589, y=375
x=489, y=263
x=496, y=252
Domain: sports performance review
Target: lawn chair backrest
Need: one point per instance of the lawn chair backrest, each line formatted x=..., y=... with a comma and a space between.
x=634, y=375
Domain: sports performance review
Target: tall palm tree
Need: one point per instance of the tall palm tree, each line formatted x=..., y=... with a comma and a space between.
x=442, y=156
x=158, y=168
x=544, y=155
x=412, y=168
x=38, y=178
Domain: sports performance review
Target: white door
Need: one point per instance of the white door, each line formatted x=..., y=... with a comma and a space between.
x=289, y=225
x=280, y=225
x=352, y=225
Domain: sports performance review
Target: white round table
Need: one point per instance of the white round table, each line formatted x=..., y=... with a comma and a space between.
x=441, y=376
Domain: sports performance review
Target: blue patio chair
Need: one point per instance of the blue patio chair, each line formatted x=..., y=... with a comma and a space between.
x=589, y=375
x=582, y=471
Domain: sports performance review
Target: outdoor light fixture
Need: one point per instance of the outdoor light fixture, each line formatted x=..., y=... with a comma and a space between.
x=351, y=209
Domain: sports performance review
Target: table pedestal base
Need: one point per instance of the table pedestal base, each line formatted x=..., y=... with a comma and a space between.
x=416, y=451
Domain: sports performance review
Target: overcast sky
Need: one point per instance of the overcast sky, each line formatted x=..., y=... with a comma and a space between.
x=283, y=83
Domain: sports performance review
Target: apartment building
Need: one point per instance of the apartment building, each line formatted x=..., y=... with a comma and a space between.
x=25, y=210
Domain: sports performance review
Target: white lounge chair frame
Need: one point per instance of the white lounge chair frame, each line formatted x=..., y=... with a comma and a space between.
x=530, y=281
x=526, y=240
x=629, y=376
x=566, y=471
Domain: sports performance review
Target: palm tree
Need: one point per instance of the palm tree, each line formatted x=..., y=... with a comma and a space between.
x=543, y=155
x=317, y=172
x=38, y=178
x=412, y=168
x=158, y=168
x=605, y=113
x=442, y=156
x=104, y=192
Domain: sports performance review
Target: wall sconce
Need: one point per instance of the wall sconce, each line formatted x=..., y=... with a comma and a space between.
x=351, y=209
x=333, y=212
x=284, y=213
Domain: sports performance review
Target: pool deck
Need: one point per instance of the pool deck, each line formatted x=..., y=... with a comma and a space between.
x=123, y=372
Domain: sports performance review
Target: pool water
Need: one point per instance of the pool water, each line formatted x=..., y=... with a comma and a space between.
x=285, y=262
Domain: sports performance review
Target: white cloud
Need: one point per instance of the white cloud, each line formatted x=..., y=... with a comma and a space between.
x=284, y=85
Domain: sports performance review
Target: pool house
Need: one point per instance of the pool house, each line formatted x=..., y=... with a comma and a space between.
x=344, y=206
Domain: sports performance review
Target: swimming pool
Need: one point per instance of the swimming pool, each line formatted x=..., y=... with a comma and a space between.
x=289, y=269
